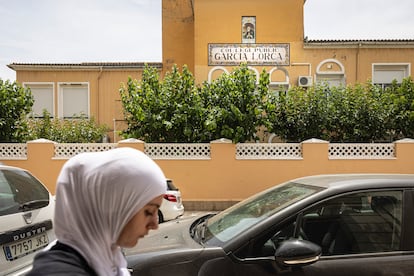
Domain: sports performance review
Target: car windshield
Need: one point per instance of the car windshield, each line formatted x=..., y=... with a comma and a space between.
x=243, y=215
x=20, y=191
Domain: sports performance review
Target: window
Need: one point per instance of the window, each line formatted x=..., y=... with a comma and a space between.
x=215, y=73
x=384, y=74
x=73, y=100
x=43, y=98
x=358, y=223
x=333, y=80
x=279, y=80
x=18, y=187
x=238, y=218
x=332, y=72
x=368, y=222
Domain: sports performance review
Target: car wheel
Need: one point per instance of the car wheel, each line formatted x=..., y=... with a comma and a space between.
x=160, y=217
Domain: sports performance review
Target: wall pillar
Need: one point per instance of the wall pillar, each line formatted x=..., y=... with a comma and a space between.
x=315, y=153
x=39, y=154
x=404, y=152
x=132, y=143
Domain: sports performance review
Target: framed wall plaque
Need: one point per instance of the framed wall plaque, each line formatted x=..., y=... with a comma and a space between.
x=248, y=29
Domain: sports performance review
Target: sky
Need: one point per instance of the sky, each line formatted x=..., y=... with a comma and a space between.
x=53, y=31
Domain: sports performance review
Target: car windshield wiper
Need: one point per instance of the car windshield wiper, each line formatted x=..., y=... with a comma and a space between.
x=34, y=204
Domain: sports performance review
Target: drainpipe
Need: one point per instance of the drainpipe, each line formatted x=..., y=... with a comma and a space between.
x=357, y=63
x=114, y=130
x=97, y=93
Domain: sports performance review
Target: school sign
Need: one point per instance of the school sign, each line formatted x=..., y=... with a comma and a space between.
x=252, y=54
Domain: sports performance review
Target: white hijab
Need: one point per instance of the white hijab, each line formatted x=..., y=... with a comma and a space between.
x=97, y=194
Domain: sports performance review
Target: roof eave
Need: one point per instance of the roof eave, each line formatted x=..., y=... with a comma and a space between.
x=403, y=43
x=85, y=66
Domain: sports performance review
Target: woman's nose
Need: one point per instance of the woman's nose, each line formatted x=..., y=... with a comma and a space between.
x=154, y=222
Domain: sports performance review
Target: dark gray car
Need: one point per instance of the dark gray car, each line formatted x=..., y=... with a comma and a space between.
x=320, y=225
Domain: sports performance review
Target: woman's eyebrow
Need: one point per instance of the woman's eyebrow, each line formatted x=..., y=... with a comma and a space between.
x=153, y=204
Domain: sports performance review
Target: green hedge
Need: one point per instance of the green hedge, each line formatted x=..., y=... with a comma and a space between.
x=80, y=130
x=235, y=106
x=355, y=113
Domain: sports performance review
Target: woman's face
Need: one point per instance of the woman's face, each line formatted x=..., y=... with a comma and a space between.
x=144, y=220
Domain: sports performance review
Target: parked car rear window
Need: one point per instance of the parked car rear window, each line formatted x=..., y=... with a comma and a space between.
x=20, y=191
x=171, y=186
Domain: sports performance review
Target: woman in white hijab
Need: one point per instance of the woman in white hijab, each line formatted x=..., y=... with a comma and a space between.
x=104, y=201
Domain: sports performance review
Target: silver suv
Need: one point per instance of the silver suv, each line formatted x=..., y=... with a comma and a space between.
x=26, y=214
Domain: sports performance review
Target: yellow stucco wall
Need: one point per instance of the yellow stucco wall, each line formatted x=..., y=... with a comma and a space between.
x=357, y=61
x=177, y=34
x=105, y=105
x=223, y=177
x=189, y=26
x=277, y=21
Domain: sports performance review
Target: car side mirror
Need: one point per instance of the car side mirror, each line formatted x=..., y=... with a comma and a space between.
x=296, y=252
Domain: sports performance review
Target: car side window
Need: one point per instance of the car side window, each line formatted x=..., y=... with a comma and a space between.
x=267, y=244
x=356, y=223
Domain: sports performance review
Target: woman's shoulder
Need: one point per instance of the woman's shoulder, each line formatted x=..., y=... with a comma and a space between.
x=60, y=259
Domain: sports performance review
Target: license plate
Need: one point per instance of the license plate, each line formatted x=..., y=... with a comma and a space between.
x=21, y=248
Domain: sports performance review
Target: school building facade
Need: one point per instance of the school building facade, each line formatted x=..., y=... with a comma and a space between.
x=213, y=37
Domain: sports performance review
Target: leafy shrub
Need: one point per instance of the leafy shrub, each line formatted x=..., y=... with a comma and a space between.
x=235, y=106
x=355, y=113
x=401, y=98
x=167, y=111
x=299, y=114
x=83, y=130
x=176, y=110
x=15, y=104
